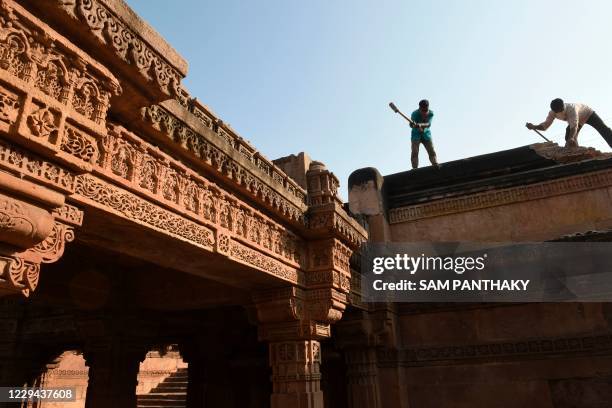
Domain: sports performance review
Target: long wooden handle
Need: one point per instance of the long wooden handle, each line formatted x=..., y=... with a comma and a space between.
x=543, y=137
x=396, y=110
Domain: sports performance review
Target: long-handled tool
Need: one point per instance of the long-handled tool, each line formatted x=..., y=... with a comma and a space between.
x=392, y=106
x=543, y=137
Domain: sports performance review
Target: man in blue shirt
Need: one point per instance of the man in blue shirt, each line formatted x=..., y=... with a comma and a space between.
x=421, y=133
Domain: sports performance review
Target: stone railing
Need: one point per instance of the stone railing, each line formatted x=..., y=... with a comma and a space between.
x=203, y=139
x=243, y=147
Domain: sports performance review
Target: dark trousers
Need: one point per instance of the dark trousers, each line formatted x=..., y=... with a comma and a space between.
x=596, y=122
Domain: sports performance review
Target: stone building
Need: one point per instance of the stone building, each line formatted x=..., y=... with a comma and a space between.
x=489, y=354
x=132, y=219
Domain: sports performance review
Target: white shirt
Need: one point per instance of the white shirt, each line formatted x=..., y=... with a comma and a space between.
x=575, y=114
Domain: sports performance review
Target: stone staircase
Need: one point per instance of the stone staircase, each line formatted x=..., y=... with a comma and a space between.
x=170, y=393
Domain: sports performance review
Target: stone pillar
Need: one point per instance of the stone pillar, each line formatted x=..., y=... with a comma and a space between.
x=362, y=378
x=196, y=384
x=293, y=321
x=359, y=335
x=113, y=372
x=211, y=382
x=296, y=375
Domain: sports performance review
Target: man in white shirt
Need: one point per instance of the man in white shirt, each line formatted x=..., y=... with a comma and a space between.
x=576, y=115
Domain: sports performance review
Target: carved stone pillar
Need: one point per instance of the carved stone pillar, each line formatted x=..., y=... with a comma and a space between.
x=296, y=375
x=359, y=335
x=113, y=372
x=293, y=322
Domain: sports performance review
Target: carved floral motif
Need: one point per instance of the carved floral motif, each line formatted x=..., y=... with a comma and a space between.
x=42, y=123
x=52, y=248
x=69, y=214
x=52, y=78
x=79, y=145
x=262, y=262
x=84, y=100
x=13, y=56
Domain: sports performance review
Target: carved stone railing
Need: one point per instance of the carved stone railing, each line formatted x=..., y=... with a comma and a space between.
x=204, y=141
x=246, y=149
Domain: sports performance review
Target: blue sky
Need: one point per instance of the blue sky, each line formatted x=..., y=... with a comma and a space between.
x=317, y=76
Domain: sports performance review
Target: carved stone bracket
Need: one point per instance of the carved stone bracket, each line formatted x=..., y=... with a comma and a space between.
x=32, y=231
x=20, y=271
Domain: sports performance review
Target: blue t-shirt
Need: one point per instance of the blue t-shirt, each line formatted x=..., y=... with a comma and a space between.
x=417, y=135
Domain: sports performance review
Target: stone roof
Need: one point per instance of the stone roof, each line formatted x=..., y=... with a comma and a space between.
x=520, y=166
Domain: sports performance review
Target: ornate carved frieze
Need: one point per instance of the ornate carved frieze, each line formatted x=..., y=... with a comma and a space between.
x=499, y=350
x=143, y=168
x=260, y=261
x=116, y=35
x=227, y=166
x=52, y=95
x=246, y=150
x=69, y=214
x=567, y=185
x=30, y=166
x=135, y=208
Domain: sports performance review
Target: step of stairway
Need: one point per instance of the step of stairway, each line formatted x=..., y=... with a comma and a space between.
x=175, y=379
x=181, y=405
x=150, y=396
x=165, y=388
x=148, y=403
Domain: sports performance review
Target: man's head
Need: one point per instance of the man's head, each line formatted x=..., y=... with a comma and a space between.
x=424, y=105
x=557, y=105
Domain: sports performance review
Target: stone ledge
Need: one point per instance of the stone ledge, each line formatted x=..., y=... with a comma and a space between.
x=147, y=33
